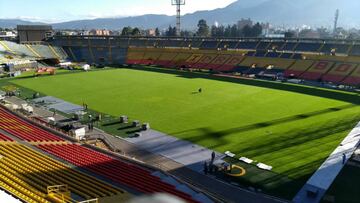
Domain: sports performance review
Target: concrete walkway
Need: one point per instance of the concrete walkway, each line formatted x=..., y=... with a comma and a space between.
x=191, y=175
x=186, y=153
x=322, y=179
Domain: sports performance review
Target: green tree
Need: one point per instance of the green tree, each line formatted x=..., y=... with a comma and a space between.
x=247, y=31
x=257, y=30
x=234, y=31
x=203, y=28
x=157, y=32
x=289, y=34
x=136, y=32
x=227, y=31
x=171, y=31
x=126, y=31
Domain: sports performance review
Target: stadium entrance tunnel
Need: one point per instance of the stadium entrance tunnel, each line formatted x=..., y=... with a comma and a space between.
x=50, y=62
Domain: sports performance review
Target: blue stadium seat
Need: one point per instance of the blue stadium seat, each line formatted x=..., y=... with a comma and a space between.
x=247, y=45
x=228, y=44
x=297, y=56
x=308, y=47
x=339, y=48
x=209, y=44
x=289, y=46
x=260, y=53
x=355, y=51
x=286, y=55
x=263, y=46
x=273, y=54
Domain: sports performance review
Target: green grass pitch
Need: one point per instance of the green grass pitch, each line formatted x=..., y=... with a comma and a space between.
x=291, y=131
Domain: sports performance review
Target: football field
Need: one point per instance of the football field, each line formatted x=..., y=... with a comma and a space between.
x=292, y=131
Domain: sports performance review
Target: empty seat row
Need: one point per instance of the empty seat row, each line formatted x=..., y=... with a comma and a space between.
x=5, y=138
x=119, y=171
x=26, y=168
x=23, y=129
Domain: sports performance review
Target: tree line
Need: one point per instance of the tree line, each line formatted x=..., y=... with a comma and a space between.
x=203, y=30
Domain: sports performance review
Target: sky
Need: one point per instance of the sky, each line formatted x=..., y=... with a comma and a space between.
x=51, y=11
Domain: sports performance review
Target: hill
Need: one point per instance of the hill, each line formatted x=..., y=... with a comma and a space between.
x=278, y=12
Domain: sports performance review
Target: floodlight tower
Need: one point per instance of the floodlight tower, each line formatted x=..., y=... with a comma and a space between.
x=178, y=4
x=337, y=13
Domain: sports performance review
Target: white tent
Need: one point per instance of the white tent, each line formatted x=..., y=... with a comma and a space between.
x=86, y=67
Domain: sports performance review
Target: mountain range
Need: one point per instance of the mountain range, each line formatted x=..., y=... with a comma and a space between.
x=276, y=12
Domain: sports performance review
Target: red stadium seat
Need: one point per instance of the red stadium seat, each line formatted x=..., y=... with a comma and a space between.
x=121, y=172
x=23, y=129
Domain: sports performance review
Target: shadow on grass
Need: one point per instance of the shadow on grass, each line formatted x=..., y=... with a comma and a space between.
x=206, y=133
x=111, y=123
x=319, y=92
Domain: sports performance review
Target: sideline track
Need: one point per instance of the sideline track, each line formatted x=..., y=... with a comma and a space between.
x=322, y=179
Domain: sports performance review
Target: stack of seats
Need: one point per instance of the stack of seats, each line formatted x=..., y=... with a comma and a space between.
x=59, y=52
x=152, y=43
x=118, y=55
x=151, y=56
x=18, y=49
x=273, y=54
x=80, y=54
x=228, y=45
x=263, y=46
x=286, y=55
x=278, y=65
x=192, y=60
x=317, y=70
x=218, y=61
x=23, y=129
x=166, y=57
x=251, y=53
x=5, y=138
x=297, y=56
x=289, y=46
x=353, y=78
x=44, y=51
x=276, y=46
x=298, y=68
x=209, y=44
x=231, y=63
x=179, y=59
x=119, y=171
x=100, y=54
x=260, y=54
x=27, y=173
x=308, y=47
x=175, y=43
x=137, y=42
x=247, y=45
x=339, y=72
x=205, y=61
x=134, y=56
x=339, y=48
x=355, y=50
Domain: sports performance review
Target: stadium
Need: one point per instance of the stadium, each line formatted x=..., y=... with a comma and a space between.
x=114, y=118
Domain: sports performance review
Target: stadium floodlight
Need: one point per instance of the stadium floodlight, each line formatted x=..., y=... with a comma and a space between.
x=178, y=4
